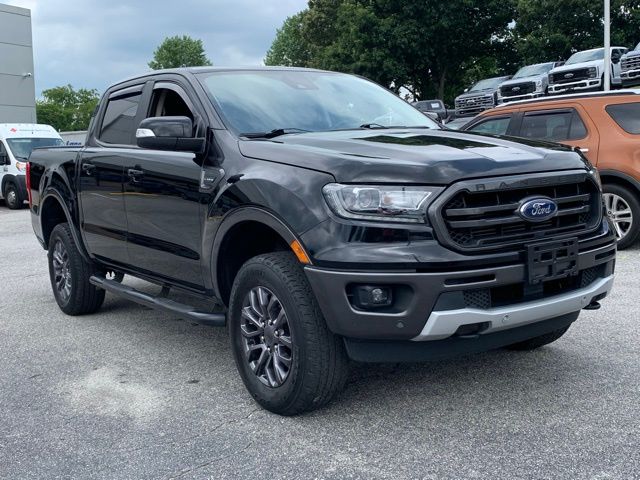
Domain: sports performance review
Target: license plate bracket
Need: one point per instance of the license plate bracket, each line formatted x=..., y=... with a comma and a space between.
x=552, y=260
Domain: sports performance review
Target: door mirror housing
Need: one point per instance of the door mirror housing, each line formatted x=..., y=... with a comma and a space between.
x=615, y=57
x=169, y=133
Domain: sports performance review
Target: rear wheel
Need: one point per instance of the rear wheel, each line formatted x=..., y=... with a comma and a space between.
x=540, y=341
x=623, y=209
x=12, y=196
x=69, y=273
x=288, y=359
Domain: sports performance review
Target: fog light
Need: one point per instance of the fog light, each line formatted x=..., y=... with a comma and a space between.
x=373, y=296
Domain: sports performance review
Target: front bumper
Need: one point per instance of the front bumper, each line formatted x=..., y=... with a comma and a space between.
x=630, y=78
x=427, y=304
x=581, y=85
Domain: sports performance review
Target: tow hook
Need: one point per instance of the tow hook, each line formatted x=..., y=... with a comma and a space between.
x=593, y=306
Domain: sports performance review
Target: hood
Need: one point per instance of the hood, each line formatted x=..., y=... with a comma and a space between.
x=632, y=53
x=530, y=78
x=577, y=66
x=421, y=156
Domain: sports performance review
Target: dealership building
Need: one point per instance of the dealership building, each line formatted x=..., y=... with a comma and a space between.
x=17, y=87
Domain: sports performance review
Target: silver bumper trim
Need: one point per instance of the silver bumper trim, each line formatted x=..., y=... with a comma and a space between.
x=445, y=323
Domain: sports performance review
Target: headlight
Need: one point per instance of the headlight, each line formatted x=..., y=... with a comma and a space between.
x=593, y=72
x=21, y=166
x=380, y=203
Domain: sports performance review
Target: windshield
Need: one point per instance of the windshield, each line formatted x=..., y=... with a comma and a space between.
x=22, y=147
x=587, y=56
x=264, y=101
x=531, y=70
x=487, y=83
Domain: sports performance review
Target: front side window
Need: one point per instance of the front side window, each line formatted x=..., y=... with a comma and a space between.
x=553, y=126
x=494, y=126
x=626, y=115
x=118, y=124
x=22, y=147
x=261, y=101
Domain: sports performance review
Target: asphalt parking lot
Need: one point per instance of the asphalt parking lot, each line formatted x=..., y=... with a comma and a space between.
x=130, y=393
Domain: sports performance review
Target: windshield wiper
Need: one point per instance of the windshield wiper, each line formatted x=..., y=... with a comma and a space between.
x=276, y=132
x=372, y=125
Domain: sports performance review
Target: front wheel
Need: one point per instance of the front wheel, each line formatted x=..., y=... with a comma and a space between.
x=12, y=197
x=288, y=359
x=623, y=209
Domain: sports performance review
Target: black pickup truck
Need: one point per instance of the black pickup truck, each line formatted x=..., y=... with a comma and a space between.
x=329, y=220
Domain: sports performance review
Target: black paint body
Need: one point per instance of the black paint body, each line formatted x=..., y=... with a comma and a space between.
x=168, y=225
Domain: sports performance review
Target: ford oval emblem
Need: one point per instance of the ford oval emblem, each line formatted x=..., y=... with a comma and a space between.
x=537, y=209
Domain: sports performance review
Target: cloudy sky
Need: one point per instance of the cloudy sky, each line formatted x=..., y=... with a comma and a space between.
x=92, y=43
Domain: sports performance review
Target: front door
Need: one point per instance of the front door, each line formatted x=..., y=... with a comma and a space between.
x=163, y=201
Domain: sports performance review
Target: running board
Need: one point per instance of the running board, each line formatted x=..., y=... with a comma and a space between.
x=184, y=311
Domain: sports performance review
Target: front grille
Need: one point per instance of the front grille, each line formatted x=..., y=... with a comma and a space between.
x=475, y=102
x=518, y=89
x=630, y=63
x=488, y=219
x=574, y=76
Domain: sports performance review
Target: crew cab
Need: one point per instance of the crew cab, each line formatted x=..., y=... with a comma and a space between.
x=531, y=81
x=630, y=67
x=584, y=71
x=329, y=218
x=605, y=126
x=17, y=140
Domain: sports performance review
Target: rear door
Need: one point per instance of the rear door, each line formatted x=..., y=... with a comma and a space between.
x=163, y=201
x=101, y=176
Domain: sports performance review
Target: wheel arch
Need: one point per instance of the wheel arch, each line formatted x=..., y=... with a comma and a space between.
x=53, y=211
x=619, y=178
x=243, y=234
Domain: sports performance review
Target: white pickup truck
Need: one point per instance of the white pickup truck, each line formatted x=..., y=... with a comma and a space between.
x=630, y=67
x=17, y=140
x=584, y=71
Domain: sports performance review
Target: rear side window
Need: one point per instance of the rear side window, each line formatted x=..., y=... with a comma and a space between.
x=553, y=126
x=627, y=116
x=493, y=126
x=118, y=124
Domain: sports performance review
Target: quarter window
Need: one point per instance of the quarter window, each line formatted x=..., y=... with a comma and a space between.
x=118, y=124
x=494, y=126
x=627, y=116
x=553, y=126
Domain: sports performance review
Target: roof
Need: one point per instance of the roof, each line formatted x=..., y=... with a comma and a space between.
x=570, y=96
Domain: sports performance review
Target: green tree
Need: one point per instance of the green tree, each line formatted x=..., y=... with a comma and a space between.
x=551, y=30
x=175, y=52
x=67, y=109
x=290, y=48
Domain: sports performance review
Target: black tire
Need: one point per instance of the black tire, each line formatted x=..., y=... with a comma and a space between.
x=631, y=198
x=77, y=296
x=537, y=342
x=318, y=362
x=12, y=197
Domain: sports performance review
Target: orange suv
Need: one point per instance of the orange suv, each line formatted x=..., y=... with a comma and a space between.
x=604, y=126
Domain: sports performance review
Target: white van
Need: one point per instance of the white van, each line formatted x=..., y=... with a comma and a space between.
x=17, y=140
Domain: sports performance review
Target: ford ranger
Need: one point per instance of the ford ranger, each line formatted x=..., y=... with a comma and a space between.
x=329, y=219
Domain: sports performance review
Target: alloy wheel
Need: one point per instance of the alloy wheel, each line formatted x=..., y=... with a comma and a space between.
x=12, y=197
x=266, y=336
x=61, y=271
x=619, y=212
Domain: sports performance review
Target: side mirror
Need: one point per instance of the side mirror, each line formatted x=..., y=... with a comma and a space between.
x=615, y=58
x=169, y=133
x=465, y=90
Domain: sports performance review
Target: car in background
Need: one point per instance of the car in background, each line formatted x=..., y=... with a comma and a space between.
x=604, y=126
x=433, y=106
x=630, y=67
x=528, y=82
x=584, y=71
x=458, y=123
x=480, y=97
x=17, y=140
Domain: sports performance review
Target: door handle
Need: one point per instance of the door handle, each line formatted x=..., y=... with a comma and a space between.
x=135, y=174
x=88, y=168
x=584, y=150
